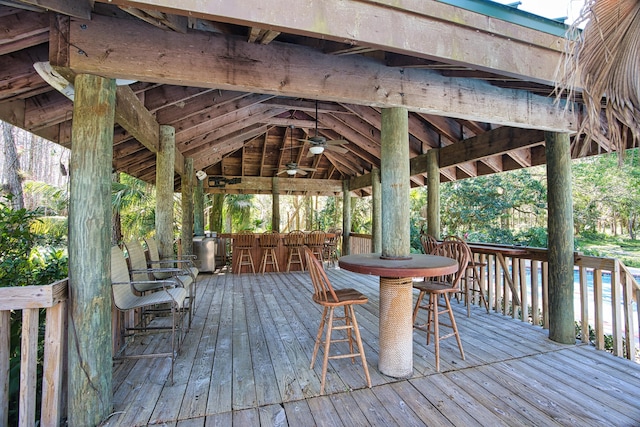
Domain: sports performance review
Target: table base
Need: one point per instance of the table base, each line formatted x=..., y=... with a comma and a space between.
x=395, y=327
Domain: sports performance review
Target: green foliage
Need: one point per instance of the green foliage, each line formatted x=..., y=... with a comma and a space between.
x=135, y=201
x=238, y=211
x=22, y=263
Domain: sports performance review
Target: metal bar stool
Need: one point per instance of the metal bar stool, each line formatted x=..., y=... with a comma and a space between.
x=269, y=242
x=294, y=241
x=244, y=242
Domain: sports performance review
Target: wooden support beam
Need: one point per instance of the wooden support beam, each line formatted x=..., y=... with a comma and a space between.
x=264, y=185
x=455, y=35
x=90, y=390
x=560, y=228
x=298, y=72
x=433, y=193
x=165, y=165
x=76, y=8
x=186, y=186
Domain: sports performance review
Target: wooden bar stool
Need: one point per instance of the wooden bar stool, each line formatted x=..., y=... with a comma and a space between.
x=294, y=241
x=315, y=241
x=471, y=283
x=330, y=299
x=269, y=242
x=244, y=242
x=436, y=287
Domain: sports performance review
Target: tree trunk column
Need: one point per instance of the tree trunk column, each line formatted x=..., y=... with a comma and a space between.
x=346, y=217
x=275, y=205
x=560, y=229
x=433, y=192
x=89, y=347
x=165, y=167
x=187, y=207
x=198, y=209
x=396, y=295
x=376, y=211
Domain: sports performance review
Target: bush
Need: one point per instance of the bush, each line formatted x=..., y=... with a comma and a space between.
x=23, y=263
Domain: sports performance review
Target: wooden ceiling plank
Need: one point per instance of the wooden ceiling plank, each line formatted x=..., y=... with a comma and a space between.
x=229, y=115
x=214, y=152
x=202, y=143
x=23, y=30
x=298, y=72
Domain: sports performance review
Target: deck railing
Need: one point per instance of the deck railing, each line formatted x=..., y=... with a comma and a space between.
x=30, y=300
x=515, y=282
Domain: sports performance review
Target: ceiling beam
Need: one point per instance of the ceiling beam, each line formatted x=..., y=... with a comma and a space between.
x=134, y=50
x=287, y=186
x=454, y=34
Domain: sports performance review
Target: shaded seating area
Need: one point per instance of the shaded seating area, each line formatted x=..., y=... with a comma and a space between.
x=512, y=373
x=146, y=278
x=161, y=295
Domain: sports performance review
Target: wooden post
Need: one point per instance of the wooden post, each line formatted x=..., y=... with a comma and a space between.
x=198, y=209
x=215, y=219
x=165, y=167
x=433, y=192
x=346, y=216
x=396, y=294
x=376, y=211
x=275, y=204
x=187, y=207
x=394, y=173
x=560, y=229
x=90, y=361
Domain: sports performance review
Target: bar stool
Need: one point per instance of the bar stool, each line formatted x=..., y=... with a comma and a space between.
x=471, y=280
x=269, y=242
x=294, y=241
x=243, y=242
x=315, y=241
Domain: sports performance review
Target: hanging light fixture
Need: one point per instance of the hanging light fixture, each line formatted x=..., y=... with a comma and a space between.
x=316, y=149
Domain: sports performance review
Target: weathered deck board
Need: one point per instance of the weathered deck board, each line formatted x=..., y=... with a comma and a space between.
x=246, y=362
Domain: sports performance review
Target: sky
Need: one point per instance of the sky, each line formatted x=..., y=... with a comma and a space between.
x=550, y=8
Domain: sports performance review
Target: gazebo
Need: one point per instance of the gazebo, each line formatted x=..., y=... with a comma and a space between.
x=254, y=95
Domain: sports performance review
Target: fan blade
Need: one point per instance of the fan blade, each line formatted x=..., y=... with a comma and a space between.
x=281, y=172
x=336, y=149
x=301, y=171
x=308, y=169
x=337, y=142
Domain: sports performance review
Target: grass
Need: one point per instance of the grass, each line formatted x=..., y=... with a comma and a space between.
x=623, y=248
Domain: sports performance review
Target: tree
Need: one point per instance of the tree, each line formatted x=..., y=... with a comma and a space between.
x=11, y=166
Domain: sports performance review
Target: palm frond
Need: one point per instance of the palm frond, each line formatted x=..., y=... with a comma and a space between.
x=603, y=62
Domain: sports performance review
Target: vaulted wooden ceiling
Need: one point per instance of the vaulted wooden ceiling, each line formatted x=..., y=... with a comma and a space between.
x=241, y=84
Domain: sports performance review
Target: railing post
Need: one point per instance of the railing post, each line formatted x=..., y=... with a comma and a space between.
x=584, y=302
x=599, y=315
x=52, y=370
x=28, y=367
x=535, y=287
x=616, y=302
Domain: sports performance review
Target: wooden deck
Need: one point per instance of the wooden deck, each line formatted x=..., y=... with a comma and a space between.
x=246, y=362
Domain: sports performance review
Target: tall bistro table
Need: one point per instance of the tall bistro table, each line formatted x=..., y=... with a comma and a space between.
x=396, y=302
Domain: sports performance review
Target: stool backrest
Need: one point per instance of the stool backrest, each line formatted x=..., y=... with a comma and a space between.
x=269, y=239
x=322, y=289
x=316, y=238
x=457, y=251
x=244, y=239
x=294, y=238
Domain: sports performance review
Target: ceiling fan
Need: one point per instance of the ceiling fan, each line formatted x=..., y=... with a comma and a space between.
x=292, y=167
x=319, y=143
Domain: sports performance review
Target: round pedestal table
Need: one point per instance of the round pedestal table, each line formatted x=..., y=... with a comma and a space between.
x=396, y=302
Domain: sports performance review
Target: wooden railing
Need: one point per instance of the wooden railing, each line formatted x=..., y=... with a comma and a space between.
x=515, y=282
x=30, y=300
